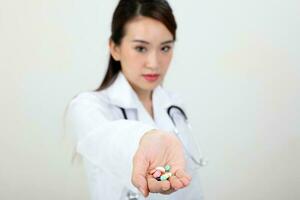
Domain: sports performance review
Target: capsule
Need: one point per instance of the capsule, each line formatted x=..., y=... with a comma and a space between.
x=152, y=171
x=167, y=168
x=166, y=176
x=156, y=174
x=162, y=169
x=161, y=173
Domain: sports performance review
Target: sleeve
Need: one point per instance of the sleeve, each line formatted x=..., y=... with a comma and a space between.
x=107, y=144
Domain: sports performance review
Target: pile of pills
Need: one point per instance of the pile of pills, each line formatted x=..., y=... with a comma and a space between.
x=161, y=173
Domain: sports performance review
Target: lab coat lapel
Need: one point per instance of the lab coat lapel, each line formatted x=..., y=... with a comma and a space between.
x=161, y=102
x=121, y=94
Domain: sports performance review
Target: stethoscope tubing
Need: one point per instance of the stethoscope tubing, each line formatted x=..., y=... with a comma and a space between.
x=201, y=162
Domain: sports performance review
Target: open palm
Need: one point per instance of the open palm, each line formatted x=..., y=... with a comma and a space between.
x=159, y=148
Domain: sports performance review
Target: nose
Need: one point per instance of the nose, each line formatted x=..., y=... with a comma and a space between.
x=153, y=60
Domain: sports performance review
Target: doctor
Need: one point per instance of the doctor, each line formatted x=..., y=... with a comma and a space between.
x=123, y=129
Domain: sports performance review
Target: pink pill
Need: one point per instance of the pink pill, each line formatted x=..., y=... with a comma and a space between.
x=162, y=169
x=157, y=174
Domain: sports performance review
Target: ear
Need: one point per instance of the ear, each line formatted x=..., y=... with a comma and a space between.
x=114, y=50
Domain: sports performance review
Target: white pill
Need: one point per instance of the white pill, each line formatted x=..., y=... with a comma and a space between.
x=162, y=169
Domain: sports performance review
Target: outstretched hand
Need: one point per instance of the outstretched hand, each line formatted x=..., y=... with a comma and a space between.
x=159, y=148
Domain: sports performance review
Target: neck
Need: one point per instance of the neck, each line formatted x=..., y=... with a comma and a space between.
x=144, y=96
x=146, y=99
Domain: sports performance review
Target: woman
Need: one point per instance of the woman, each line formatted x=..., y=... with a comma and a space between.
x=123, y=130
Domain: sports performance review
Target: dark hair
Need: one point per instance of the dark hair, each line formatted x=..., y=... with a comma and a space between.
x=127, y=10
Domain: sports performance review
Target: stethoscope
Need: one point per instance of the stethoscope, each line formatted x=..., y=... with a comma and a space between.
x=198, y=160
x=171, y=111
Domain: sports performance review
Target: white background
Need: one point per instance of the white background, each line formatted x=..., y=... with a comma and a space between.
x=236, y=64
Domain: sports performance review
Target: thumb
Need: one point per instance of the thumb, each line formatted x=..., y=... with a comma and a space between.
x=139, y=173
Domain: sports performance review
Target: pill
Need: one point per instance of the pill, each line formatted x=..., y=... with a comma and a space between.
x=152, y=171
x=167, y=168
x=168, y=174
x=161, y=173
x=162, y=169
x=156, y=174
x=164, y=177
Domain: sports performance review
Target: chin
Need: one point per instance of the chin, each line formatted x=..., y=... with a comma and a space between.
x=151, y=87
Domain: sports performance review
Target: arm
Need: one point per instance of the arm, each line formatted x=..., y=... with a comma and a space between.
x=126, y=149
x=107, y=144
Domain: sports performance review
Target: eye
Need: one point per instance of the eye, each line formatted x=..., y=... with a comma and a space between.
x=166, y=48
x=140, y=49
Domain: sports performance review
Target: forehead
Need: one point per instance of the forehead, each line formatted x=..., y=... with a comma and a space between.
x=145, y=28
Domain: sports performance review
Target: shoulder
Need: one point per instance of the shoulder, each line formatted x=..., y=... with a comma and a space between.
x=92, y=97
x=91, y=102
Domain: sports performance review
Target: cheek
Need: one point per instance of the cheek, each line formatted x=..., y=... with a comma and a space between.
x=166, y=61
x=132, y=59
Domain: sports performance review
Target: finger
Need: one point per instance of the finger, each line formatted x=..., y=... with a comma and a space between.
x=156, y=186
x=184, y=177
x=176, y=184
x=139, y=172
x=168, y=191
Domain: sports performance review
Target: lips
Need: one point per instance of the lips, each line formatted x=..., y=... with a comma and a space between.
x=151, y=77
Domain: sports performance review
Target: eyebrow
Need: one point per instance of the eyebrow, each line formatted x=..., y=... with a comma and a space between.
x=145, y=42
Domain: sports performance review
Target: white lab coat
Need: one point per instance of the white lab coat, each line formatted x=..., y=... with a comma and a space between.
x=107, y=142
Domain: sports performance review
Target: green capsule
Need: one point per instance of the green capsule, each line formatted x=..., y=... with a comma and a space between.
x=164, y=177
x=167, y=168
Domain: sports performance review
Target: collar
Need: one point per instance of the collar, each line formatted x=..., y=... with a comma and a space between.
x=121, y=94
